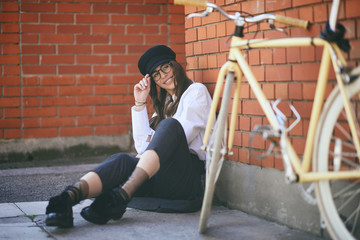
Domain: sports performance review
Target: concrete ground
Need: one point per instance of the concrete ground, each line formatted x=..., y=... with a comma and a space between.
x=23, y=195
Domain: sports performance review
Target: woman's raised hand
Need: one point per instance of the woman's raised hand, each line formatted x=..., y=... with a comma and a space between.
x=142, y=89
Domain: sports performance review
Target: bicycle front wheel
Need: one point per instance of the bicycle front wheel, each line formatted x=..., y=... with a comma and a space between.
x=216, y=150
x=338, y=200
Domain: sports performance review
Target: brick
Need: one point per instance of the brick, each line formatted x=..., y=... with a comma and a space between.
x=109, y=49
x=9, y=81
x=11, y=49
x=12, y=133
x=57, y=59
x=305, y=72
x=92, y=59
x=122, y=99
x=10, y=28
x=58, y=122
x=9, y=59
x=29, y=17
x=30, y=38
x=73, y=8
x=57, y=101
x=93, y=100
x=141, y=29
x=75, y=111
x=102, y=69
x=74, y=132
x=31, y=101
x=9, y=6
x=56, y=38
x=9, y=102
x=321, y=13
x=107, y=29
x=104, y=110
x=73, y=29
x=121, y=119
x=92, y=39
x=11, y=70
x=156, y=39
x=109, y=90
x=351, y=8
x=121, y=79
x=143, y=9
x=295, y=91
x=32, y=59
x=9, y=38
x=37, y=28
x=39, y=91
x=9, y=17
x=11, y=91
x=74, y=69
x=277, y=5
x=126, y=39
x=37, y=7
x=41, y=49
x=40, y=133
x=11, y=112
x=253, y=7
x=75, y=90
x=40, y=112
x=278, y=73
x=92, y=18
x=28, y=69
x=297, y=3
x=176, y=29
x=150, y=19
x=110, y=130
x=90, y=80
x=56, y=18
x=128, y=19
x=57, y=80
x=210, y=46
x=93, y=120
x=109, y=8
x=124, y=59
x=74, y=49
x=31, y=123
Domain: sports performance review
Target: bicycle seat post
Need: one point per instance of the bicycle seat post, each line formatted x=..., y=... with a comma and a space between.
x=334, y=14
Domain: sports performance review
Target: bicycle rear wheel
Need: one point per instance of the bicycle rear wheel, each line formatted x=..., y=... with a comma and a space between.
x=338, y=200
x=216, y=151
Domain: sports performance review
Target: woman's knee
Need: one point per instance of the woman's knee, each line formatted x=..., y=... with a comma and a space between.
x=170, y=124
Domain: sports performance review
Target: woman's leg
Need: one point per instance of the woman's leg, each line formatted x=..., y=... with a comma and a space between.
x=109, y=174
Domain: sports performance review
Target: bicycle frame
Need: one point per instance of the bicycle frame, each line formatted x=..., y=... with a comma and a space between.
x=238, y=64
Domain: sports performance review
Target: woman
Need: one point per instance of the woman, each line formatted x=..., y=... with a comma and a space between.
x=169, y=162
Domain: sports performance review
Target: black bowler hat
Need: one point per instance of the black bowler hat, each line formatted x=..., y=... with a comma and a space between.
x=154, y=57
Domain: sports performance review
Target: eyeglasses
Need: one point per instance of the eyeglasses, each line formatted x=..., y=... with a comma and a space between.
x=165, y=68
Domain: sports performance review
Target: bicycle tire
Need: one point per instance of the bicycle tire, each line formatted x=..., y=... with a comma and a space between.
x=337, y=208
x=214, y=167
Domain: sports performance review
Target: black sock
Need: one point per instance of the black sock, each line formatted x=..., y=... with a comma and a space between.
x=77, y=192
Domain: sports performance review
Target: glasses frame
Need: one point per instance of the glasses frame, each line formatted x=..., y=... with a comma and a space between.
x=161, y=69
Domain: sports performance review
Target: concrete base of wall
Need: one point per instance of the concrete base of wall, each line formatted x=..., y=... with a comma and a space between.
x=46, y=149
x=263, y=192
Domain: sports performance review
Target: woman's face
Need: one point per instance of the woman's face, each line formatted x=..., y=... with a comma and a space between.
x=163, y=75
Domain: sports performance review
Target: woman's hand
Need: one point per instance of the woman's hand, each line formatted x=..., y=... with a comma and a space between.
x=142, y=89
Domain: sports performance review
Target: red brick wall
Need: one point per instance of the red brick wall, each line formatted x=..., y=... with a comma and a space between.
x=283, y=73
x=68, y=67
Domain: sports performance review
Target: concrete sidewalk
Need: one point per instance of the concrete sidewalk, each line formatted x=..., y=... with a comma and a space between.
x=25, y=220
x=23, y=195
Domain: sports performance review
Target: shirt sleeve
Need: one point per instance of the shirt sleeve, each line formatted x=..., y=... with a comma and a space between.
x=142, y=133
x=194, y=112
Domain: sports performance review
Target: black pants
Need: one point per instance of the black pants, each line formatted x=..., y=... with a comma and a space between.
x=180, y=171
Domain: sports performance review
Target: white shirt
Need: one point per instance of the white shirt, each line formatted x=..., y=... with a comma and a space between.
x=192, y=113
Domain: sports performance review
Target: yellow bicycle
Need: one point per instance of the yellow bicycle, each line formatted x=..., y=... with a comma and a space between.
x=330, y=162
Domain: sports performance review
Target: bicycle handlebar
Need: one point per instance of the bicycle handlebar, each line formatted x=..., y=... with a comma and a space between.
x=194, y=3
x=277, y=18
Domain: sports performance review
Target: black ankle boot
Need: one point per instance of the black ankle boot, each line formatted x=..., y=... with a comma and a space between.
x=108, y=205
x=59, y=211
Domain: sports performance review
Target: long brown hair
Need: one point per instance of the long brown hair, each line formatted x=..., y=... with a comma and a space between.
x=163, y=107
